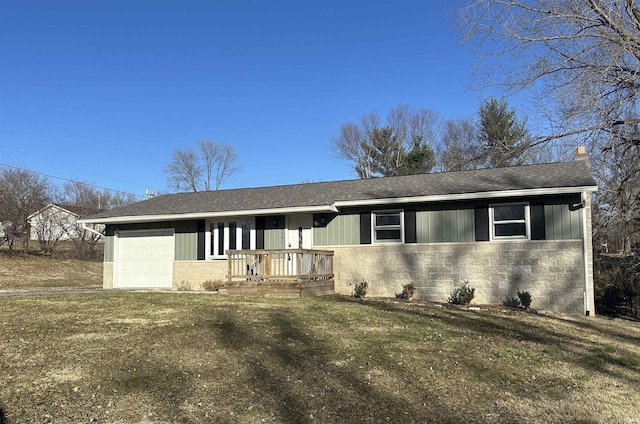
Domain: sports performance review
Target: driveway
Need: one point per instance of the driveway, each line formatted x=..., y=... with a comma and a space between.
x=7, y=293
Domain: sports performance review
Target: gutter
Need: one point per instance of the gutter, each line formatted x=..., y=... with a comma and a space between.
x=91, y=230
x=466, y=196
x=206, y=215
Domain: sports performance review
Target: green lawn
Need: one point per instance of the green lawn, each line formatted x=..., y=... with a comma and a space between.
x=185, y=357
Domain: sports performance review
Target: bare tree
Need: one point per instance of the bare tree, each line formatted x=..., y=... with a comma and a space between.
x=90, y=199
x=352, y=144
x=185, y=170
x=82, y=195
x=404, y=145
x=583, y=57
x=209, y=151
x=110, y=199
x=425, y=125
x=618, y=172
x=219, y=162
x=85, y=199
x=459, y=149
x=202, y=170
x=51, y=225
x=22, y=192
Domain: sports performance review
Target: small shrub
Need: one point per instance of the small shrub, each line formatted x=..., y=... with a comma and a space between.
x=524, y=297
x=513, y=302
x=184, y=286
x=463, y=295
x=407, y=291
x=212, y=285
x=360, y=291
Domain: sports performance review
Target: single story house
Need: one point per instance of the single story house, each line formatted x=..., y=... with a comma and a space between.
x=502, y=230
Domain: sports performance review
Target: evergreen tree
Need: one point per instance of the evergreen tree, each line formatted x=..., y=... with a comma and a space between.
x=401, y=147
x=503, y=139
x=419, y=160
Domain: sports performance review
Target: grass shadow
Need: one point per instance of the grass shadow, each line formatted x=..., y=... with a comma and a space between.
x=310, y=376
x=590, y=325
x=621, y=363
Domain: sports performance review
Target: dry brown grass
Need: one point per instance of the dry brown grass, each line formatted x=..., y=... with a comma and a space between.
x=21, y=271
x=184, y=357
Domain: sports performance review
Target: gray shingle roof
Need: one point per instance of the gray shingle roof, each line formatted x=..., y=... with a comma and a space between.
x=553, y=175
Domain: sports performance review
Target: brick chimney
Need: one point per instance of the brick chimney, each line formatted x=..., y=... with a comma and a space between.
x=581, y=154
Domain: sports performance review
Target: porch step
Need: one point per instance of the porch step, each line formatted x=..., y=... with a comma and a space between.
x=317, y=288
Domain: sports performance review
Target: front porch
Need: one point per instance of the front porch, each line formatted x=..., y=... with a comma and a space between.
x=288, y=273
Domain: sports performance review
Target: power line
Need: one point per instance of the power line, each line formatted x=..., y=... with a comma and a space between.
x=80, y=135
x=70, y=180
x=71, y=166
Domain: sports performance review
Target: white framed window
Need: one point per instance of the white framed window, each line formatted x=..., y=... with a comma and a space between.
x=230, y=234
x=510, y=221
x=387, y=226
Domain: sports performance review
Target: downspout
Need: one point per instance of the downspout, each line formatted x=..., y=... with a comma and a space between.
x=91, y=230
x=585, y=253
x=581, y=155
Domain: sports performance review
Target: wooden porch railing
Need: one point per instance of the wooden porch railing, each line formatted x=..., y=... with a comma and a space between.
x=286, y=264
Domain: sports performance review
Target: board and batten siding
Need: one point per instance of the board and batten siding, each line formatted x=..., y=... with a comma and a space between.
x=342, y=230
x=186, y=245
x=108, y=248
x=445, y=226
x=562, y=223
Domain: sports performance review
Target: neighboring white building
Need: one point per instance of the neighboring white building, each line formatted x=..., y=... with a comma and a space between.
x=3, y=227
x=57, y=223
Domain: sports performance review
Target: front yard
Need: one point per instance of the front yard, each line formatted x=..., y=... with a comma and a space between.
x=185, y=357
x=21, y=271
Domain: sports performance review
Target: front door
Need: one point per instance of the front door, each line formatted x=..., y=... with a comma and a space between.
x=299, y=232
x=298, y=237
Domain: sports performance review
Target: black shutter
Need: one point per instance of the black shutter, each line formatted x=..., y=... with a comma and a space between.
x=232, y=235
x=221, y=238
x=201, y=236
x=482, y=223
x=259, y=232
x=365, y=228
x=538, y=229
x=410, y=227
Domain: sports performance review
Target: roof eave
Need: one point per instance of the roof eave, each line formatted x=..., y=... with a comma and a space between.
x=205, y=215
x=467, y=196
x=51, y=205
x=335, y=207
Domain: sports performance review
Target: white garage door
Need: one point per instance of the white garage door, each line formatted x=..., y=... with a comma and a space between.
x=144, y=259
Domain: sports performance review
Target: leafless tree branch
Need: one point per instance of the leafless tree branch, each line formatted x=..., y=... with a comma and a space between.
x=584, y=55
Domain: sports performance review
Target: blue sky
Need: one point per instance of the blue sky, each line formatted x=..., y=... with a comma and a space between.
x=104, y=91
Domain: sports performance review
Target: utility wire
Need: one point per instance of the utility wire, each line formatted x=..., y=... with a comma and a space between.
x=71, y=181
x=80, y=135
x=72, y=167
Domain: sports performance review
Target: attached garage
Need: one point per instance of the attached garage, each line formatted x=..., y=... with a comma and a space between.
x=144, y=259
